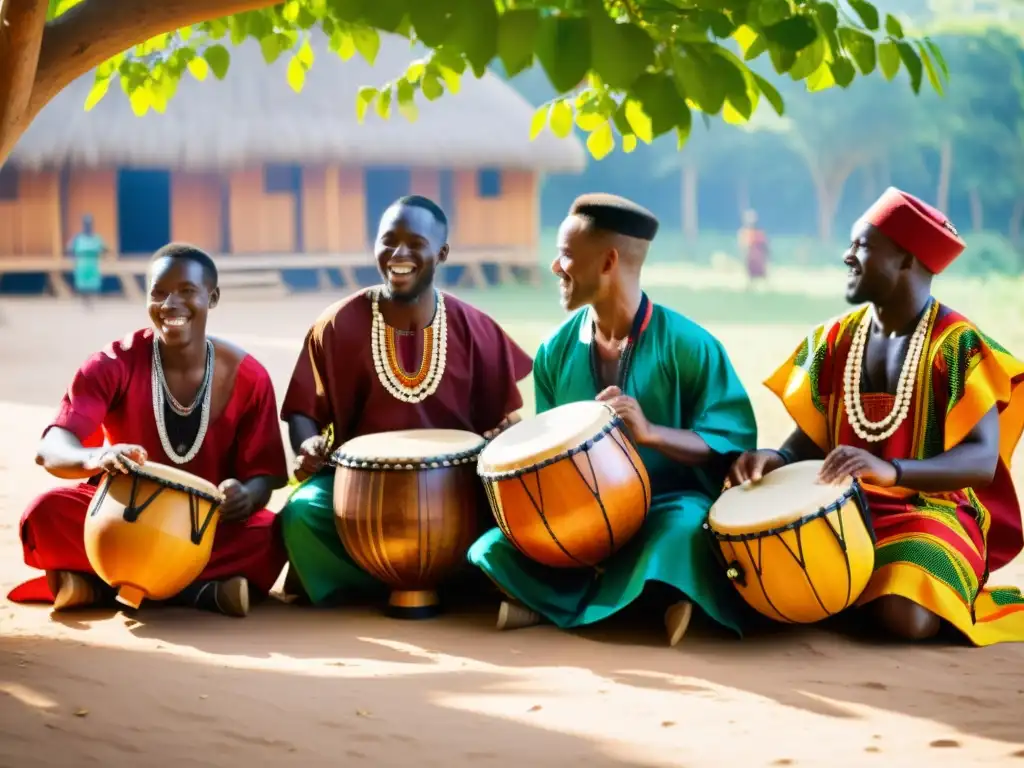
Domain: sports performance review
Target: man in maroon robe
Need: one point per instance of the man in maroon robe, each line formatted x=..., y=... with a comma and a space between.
x=398, y=356
x=125, y=402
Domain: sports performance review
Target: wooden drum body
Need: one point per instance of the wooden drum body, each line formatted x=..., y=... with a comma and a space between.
x=567, y=487
x=407, y=508
x=797, y=550
x=149, y=533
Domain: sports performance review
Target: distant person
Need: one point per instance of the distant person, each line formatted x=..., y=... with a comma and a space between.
x=754, y=248
x=358, y=381
x=87, y=248
x=922, y=407
x=673, y=385
x=210, y=411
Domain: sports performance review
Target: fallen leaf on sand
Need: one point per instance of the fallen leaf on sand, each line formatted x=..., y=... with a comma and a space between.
x=362, y=713
x=667, y=723
x=81, y=712
x=535, y=708
x=203, y=696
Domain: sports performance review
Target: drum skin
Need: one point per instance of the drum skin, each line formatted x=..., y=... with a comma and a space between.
x=578, y=510
x=409, y=528
x=766, y=569
x=153, y=557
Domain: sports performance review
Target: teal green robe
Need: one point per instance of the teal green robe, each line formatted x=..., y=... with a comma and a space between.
x=682, y=378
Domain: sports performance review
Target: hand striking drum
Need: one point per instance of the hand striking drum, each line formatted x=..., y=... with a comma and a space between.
x=567, y=487
x=149, y=532
x=407, y=507
x=797, y=550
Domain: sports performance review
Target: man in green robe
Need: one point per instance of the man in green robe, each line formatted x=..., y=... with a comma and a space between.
x=684, y=407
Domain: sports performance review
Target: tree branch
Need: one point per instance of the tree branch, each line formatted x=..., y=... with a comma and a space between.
x=21, y=34
x=94, y=30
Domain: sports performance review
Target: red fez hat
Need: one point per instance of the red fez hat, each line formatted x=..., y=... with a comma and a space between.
x=916, y=227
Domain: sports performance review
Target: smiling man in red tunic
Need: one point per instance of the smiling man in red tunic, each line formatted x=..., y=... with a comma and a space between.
x=174, y=396
x=399, y=356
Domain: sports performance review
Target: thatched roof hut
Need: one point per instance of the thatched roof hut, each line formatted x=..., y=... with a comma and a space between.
x=254, y=116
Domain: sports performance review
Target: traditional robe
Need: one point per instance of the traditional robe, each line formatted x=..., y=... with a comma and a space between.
x=335, y=384
x=936, y=549
x=682, y=378
x=111, y=398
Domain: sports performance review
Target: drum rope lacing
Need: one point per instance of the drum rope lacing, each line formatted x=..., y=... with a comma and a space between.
x=877, y=431
x=386, y=360
x=161, y=392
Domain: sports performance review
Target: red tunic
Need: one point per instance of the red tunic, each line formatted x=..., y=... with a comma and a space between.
x=110, y=397
x=335, y=383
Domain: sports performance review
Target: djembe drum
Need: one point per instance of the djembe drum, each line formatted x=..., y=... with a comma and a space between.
x=798, y=550
x=567, y=487
x=407, y=507
x=149, y=533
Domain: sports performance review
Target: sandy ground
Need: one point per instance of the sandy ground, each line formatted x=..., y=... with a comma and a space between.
x=291, y=686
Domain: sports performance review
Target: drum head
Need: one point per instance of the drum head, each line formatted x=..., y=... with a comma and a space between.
x=411, y=445
x=781, y=497
x=545, y=436
x=180, y=477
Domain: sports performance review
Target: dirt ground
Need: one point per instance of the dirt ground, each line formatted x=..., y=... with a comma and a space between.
x=291, y=686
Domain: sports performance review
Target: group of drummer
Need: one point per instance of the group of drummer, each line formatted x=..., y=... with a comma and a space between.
x=902, y=393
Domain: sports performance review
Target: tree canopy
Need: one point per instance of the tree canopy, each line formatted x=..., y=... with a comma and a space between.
x=625, y=71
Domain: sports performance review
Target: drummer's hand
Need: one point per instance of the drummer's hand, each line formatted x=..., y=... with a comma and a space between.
x=312, y=456
x=508, y=421
x=629, y=410
x=752, y=466
x=847, y=461
x=237, y=504
x=108, y=458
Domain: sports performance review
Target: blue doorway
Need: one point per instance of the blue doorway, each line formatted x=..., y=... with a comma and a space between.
x=143, y=210
x=383, y=186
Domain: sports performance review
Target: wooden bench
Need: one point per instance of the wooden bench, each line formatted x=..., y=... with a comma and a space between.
x=264, y=271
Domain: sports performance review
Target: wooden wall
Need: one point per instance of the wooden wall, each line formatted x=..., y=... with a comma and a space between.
x=237, y=211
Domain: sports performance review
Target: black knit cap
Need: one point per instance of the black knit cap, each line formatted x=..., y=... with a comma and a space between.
x=616, y=214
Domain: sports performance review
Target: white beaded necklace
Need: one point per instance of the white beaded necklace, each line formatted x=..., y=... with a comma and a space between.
x=161, y=392
x=388, y=377
x=877, y=431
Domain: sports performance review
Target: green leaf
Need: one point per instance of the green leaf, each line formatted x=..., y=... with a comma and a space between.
x=808, y=60
x=621, y=52
x=563, y=47
x=364, y=98
x=794, y=33
x=451, y=78
x=843, y=72
x=747, y=39
x=271, y=48
x=343, y=44
x=367, y=43
x=407, y=100
x=769, y=92
x=695, y=78
x=937, y=55
x=199, y=68
x=433, y=21
x=912, y=63
x=219, y=59
x=888, y=59
x=867, y=12
x=382, y=104
x=639, y=121
x=933, y=75
x=683, y=127
x=861, y=47
x=96, y=93
x=305, y=54
x=140, y=101
x=431, y=86
x=628, y=143
x=821, y=79
x=296, y=74
x=893, y=26
x=589, y=117
x=783, y=59
x=601, y=142
x=539, y=120
x=385, y=15
x=517, y=35
x=476, y=33
x=771, y=12
x=560, y=119
x=660, y=100
x=828, y=16
x=290, y=11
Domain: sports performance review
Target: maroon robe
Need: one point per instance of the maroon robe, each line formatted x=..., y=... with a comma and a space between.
x=335, y=383
x=111, y=398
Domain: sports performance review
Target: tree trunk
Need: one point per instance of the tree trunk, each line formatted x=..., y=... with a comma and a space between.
x=37, y=61
x=977, y=209
x=690, y=179
x=945, y=174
